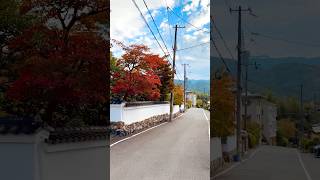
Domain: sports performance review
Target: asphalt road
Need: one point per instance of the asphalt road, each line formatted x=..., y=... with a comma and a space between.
x=178, y=150
x=276, y=163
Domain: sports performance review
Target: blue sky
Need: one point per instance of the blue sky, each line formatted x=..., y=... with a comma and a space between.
x=128, y=26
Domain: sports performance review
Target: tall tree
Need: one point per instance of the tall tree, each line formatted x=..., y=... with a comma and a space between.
x=178, y=95
x=64, y=57
x=222, y=113
x=164, y=71
x=140, y=74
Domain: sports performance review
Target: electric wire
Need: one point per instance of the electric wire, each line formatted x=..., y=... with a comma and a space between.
x=157, y=28
x=148, y=25
x=221, y=37
x=200, y=29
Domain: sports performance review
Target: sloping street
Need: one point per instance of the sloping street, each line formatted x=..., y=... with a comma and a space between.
x=275, y=163
x=178, y=150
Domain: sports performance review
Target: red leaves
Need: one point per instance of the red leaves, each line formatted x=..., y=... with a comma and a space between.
x=69, y=72
x=138, y=79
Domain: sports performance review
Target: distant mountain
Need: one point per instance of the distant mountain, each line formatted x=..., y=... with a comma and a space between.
x=282, y=76
x=202, y=86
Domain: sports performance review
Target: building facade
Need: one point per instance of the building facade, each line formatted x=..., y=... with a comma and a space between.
x=190, y=96
x=263, y=112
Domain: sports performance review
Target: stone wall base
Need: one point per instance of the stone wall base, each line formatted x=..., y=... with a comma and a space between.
x=120, y=129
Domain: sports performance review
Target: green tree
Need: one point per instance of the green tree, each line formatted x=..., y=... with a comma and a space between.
x=165, y=74
x=254, y=131
x=199, y=103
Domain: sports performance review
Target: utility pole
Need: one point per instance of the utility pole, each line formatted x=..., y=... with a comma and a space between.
x=184, y=85
x=173, y=70
x=246, y=63
x=239, y=89
x=301, y=116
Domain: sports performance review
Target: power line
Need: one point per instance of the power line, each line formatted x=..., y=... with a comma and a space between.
x=156, y=27
x=221, y=36
x=148, y=26
x=220, y=56
x=219, y=53
x=200, y=29
x=202, y=44
x=171, y=40
x=152, y=32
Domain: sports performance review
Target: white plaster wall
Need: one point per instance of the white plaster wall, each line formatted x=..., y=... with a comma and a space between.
x=231, y=144
x=18, y=153
x=27, y=157
x=116, y=112
x=17, y=161
x=177, y=109
x=138, y=113
x=74, y=161
x=215, y=148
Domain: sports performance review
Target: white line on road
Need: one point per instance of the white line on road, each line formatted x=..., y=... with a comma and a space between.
x=303, y=166
x=140, y=132
x=204, y=113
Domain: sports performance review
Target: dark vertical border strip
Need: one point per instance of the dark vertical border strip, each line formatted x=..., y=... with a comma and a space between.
x=108, y=86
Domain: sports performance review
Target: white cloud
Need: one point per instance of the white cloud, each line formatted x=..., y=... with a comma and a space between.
x=164, y=25
x=128, y=27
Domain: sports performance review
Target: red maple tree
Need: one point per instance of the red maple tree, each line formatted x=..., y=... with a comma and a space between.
x=138, y=78
x=64, y=64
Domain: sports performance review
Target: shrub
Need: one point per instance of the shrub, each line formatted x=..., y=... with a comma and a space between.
x=254, y=132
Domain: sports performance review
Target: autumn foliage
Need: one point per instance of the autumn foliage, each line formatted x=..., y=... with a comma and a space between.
x=222, y=107
x=62, y=59
x=140, y=74
x=178, y=95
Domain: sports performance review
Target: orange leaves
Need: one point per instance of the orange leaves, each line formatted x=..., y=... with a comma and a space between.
x=222, y=113
x=138, y=78
x=51, y=64
x=178, y=95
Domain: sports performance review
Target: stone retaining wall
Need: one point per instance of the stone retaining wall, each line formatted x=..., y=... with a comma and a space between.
x=121, y=129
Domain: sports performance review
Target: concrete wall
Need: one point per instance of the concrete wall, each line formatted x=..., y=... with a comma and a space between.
x=230, y=145
x=138, y=113
x=215, y=149
x=28, y=157
x=17, y=158
x=78, y=161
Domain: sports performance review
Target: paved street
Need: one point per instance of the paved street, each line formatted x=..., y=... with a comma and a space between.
x=275, y=163
x=174, y=151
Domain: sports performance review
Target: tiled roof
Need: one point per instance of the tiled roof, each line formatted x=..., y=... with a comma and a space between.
x=18, y=125
x=69, y=135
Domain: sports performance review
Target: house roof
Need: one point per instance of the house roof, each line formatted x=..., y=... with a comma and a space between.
x=18, y=125
x=70, y=135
